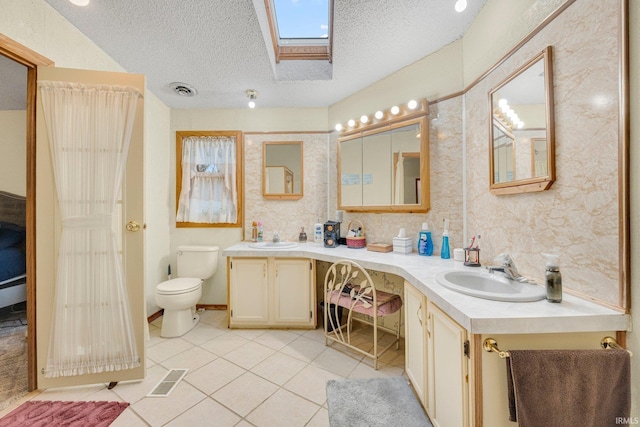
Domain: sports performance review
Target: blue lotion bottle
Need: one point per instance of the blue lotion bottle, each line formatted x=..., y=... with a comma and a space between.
x=425, y=243
x=445, y=253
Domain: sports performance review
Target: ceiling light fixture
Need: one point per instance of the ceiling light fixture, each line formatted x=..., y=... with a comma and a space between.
x=461, y=5
x=411, y=109
x=252, y=94
x=80, y=2
x=183, y=89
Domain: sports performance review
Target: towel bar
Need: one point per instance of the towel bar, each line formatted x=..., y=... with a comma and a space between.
x=610, y=342
x=491, y=345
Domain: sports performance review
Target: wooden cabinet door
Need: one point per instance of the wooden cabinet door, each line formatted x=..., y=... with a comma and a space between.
x=293, y=293
x=415, y=313
x=249, y=291
x=448, y=369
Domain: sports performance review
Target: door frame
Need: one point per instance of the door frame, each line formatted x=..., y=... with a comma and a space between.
x=30, y=59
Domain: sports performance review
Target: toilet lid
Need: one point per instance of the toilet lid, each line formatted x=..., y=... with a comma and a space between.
x=178, y=286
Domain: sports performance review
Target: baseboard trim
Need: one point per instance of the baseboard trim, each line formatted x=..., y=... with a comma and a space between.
x=155, y=315
x=211, y=306
x=160, y=312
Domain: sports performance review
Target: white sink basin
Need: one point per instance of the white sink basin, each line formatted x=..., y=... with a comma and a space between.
x=273, y=245
x=482, y=284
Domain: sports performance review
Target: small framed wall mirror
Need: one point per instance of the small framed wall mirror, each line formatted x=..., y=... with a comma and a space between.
x=385, y=169
x=282, y=170
x=521, y=129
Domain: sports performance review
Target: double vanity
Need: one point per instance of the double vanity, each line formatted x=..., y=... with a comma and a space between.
x=456, y=380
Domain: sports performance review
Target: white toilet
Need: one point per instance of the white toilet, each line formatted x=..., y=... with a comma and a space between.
x=179, y=296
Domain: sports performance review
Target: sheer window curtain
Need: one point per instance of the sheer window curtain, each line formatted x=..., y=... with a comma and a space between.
x=89, y=129
x=208, y=193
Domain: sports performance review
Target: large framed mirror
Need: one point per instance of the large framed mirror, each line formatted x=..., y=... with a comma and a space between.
x=282, y=170
x=385, y=169
x=521, y=129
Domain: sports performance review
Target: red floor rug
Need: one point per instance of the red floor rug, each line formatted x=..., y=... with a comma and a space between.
x=68, y=414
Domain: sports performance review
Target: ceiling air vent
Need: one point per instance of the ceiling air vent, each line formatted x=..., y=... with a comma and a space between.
x=183, y=89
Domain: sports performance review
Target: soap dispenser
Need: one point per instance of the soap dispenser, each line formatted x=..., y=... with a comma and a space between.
x=553, y=279
x=445, y=252
x=425, y=243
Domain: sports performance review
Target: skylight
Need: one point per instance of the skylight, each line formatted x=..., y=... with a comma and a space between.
x=300, y=29
x=302, y=19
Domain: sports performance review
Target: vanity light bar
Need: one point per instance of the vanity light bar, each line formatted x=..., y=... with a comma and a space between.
x=412, y=108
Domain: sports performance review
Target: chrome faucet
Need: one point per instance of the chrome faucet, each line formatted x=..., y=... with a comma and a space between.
x=508, y=268
x=276, y=237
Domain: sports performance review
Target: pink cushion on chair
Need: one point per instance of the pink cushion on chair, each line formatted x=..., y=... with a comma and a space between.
x=388, y=303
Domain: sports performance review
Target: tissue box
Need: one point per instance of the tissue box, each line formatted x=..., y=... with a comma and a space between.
x=403, y=245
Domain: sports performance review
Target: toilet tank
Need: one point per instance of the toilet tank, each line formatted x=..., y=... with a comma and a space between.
x=197, y=261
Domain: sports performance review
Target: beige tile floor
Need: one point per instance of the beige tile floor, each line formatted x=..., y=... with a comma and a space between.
x=236, y=377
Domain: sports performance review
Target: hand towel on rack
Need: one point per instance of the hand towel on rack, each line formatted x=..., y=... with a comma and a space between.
x=568, y=387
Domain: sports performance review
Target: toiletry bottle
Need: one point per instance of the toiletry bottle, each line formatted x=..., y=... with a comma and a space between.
x=260, y=231
x=302, y=238
x=444, y=250
x=425, y=243
x=317, y=232
x=254, y=231
x=553, y=279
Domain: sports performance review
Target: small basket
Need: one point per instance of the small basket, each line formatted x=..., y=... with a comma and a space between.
x=356, y=242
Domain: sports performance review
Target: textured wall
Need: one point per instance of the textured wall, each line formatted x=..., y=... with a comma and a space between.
x=578, y=217
x=286, y=216
x=446, y=172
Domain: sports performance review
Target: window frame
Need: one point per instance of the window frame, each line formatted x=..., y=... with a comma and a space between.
x=238, y=135
x=299, y=49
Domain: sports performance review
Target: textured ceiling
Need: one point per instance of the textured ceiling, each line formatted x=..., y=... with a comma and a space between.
x=223, y=47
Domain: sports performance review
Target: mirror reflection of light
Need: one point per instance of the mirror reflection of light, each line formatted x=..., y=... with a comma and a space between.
x=80, y=2
x=502, y=103
x=520, y=124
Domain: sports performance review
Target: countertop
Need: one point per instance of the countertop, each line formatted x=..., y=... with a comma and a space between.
x=478, y=316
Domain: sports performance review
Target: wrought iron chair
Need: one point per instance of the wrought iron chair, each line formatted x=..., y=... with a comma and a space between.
x=349, y=288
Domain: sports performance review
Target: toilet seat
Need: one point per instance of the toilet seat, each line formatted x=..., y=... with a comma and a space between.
x=180, y=285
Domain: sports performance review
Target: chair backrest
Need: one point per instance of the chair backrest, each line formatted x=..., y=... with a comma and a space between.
x=348, y=278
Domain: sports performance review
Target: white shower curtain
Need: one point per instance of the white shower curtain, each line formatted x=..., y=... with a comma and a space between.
x=208, y=193
x=89, y=129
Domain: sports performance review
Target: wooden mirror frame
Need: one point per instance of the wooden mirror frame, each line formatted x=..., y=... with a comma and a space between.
x=293, y=195
x=419, y=118
x=534, y=183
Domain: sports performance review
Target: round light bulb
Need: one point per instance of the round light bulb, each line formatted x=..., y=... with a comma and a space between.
x=502, y=103
x=364, y=119
x=461, y=5
x=351, y=123
x=252, y=104
x=412, y=104
x=338, y=127
x=379, y=114
x=520, y=124
x=395, y=110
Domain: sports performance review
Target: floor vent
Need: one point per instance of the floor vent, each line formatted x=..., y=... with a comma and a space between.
x=168, y=383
